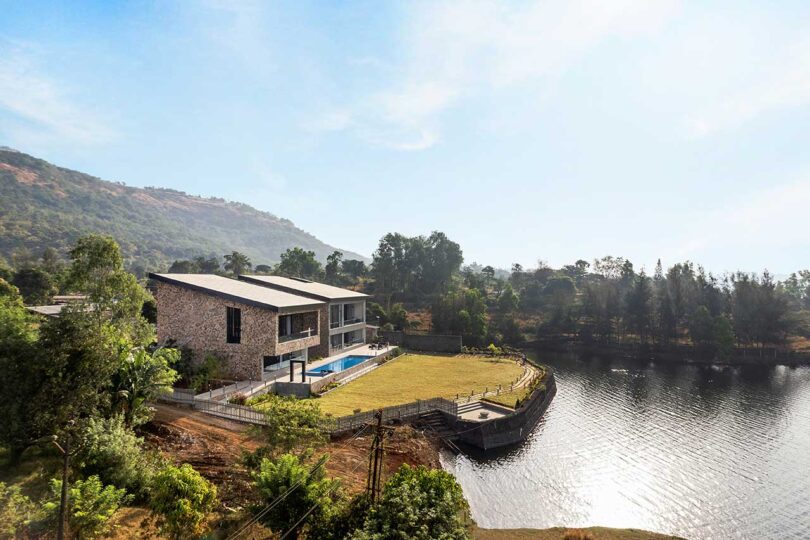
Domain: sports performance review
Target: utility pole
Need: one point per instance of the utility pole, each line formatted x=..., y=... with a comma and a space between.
x=61, y=531
x=375, y=459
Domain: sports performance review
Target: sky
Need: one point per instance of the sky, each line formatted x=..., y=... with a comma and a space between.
x=526, y=131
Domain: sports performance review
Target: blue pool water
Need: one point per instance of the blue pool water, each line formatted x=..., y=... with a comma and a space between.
x=336, y=366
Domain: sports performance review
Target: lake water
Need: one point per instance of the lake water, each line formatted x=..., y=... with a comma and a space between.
x=697, y=451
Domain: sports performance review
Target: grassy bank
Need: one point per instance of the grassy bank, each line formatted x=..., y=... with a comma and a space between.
x=420, y=376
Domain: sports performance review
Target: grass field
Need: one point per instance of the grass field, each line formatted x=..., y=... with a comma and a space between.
x=420, y=376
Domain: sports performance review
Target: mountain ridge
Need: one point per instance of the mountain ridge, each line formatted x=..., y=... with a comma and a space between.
x=43, y=205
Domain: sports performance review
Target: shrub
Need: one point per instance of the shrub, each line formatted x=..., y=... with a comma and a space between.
x=16, y=511
x=290, y=423
x=238, y=399
x=209, y=369
x=181, y=498
x=275, y=477
x=417, y=503
x=91, y=504
x=577, y=534
x=114, y=453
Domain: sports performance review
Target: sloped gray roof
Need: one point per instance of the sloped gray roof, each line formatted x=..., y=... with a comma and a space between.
x=239, y=291
x=312, y=289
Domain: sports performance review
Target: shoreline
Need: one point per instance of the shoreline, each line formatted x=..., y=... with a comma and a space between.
x=675, y=355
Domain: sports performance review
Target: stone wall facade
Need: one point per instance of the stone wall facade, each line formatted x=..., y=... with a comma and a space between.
x=197, y=320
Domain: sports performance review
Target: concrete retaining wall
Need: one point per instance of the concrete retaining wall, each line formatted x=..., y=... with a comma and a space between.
x=423, y=342
x=510, y=429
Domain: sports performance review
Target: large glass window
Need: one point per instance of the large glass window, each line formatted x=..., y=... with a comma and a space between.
x=233, y=323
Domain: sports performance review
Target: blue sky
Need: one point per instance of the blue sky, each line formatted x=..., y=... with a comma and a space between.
x=525, y=130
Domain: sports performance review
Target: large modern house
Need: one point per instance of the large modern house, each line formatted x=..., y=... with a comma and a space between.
x=256, y=328
x=346, y=313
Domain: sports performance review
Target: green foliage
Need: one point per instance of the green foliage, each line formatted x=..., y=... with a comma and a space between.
x=114, y=294
x=415, y=266
x=420, y=504
x=79, y=357
x=142, y=376
x=396, y=317
x=290, y=423
x=35, y=285
x=200, y=376
x=701, y=326
x=16, y=511
x=237, y=263
x=723, y=337
x=154, y=226
x=332, y=268
x=181, y=499
x=275, y=477
x=297, y=262
x=23, y=376
x=113, y=452
x=461, y=312
x=91, y=504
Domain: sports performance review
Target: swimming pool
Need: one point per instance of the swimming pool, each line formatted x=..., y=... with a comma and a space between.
x=336, y=366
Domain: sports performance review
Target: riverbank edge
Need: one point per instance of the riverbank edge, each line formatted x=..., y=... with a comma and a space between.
x=675, y=355
x=556, y=533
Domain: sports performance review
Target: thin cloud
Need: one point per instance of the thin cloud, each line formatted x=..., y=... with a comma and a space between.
x=454, y=50
x=43, y=105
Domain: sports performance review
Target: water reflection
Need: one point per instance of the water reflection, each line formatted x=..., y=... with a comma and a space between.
x=697, y=451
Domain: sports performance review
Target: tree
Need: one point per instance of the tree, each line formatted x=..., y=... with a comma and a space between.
x=181, y=498
x=332, y=269
x=461, y=312
x=142, y=377
x=237, y=263
x=723, y=337
x=112, y=451
x=290, y=423
x=91, y=505
x=207, y=265
x=701, y=326
x=35, y=285
x=184, y=267
x=295, y=262
x=420, y=504
x=23, y=376
x=354, y=268
x=559, y=294
x=638, y=304
x=263, y=269
x=114, y=294
x=508, y=300
x=276, y=477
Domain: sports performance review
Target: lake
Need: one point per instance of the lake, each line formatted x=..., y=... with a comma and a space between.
x=703, y=452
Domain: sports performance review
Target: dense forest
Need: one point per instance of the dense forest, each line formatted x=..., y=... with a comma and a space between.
x=44, y=206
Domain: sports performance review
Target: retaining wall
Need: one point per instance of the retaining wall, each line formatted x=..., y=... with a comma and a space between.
x=509, y=429
x=423, y=342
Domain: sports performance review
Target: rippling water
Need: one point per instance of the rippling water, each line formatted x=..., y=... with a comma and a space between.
x=696, y=451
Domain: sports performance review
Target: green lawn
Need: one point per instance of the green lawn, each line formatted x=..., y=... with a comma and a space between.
x=420, y=376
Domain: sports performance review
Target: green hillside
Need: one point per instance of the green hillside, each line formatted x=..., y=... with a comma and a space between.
x=42, y=205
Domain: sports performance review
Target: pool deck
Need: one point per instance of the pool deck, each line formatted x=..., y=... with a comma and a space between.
x=362, y=350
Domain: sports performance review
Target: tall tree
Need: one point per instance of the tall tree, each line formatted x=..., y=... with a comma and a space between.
x=237, y=263
x=332, y=268
x=296, y=262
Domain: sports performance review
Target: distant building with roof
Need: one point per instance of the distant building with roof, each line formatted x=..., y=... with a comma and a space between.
x=256, y=326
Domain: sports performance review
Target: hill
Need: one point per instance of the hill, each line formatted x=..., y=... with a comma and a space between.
x=42, y=205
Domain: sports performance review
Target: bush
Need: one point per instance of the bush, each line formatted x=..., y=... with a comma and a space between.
x=208, y=370
x=276, y=477
x=418, y=503
x=181, y=499
x=238, y=399
x=91, y=504
x=577, y=534
x=114, y=453
x=290, y=423
x=16, y=511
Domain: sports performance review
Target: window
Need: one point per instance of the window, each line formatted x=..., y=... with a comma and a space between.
x=234, y=324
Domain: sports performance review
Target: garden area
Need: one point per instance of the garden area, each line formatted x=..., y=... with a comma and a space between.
x=420, y=376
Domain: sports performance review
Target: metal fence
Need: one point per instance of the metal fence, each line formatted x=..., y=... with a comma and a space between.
x=395, y=412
